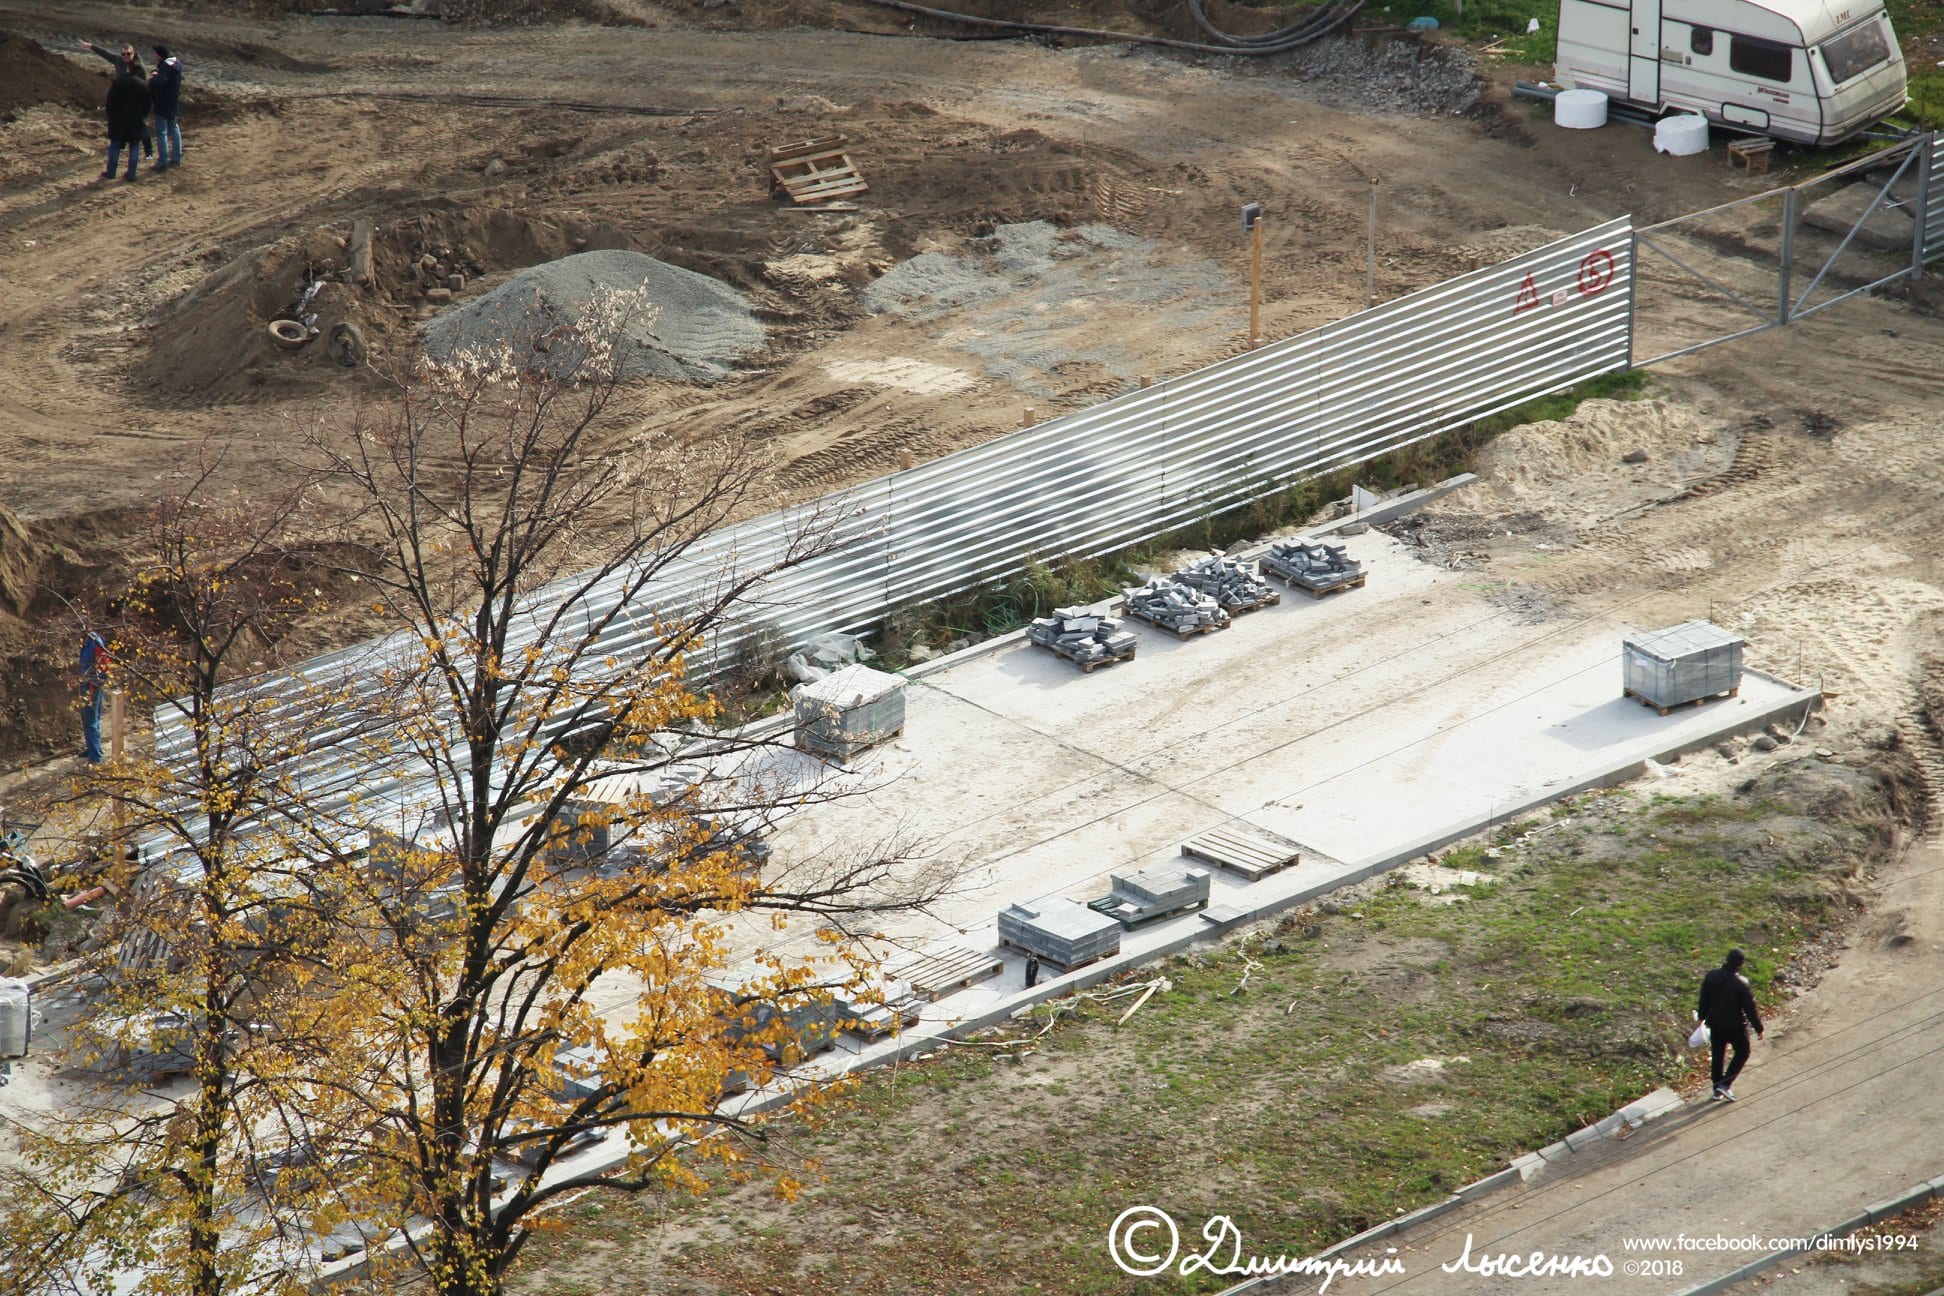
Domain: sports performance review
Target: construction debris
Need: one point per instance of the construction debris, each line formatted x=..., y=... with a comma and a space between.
x=1319, y=568
x=1085, y=638
x=814, y=172
x=1174, y=606
x=1237, y=586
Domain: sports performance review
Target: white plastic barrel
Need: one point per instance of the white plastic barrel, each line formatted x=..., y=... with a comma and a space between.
x=1580, y=109
x=1681, y=135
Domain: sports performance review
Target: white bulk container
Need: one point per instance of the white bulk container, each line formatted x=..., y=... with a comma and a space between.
x=1580, y=109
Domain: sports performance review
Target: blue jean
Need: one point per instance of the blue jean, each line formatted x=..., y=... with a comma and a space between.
x=168, y=142
x=91, y=724
x=115, y=147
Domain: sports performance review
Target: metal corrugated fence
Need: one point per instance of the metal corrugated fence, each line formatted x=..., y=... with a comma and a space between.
x=1141, y=464
x=1934, y=200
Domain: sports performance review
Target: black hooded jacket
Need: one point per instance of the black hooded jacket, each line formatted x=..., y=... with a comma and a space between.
x=128, y=109
x=1726, y=1003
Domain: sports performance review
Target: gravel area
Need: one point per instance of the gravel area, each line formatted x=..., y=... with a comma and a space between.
x=698, y=329
x=1401, y=77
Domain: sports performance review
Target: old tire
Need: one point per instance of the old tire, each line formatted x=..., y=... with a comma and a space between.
x=347, y=344
x=288, y=334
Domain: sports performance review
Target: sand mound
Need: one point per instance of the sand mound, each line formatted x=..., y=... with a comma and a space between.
x=30, y=75
x=1573, y=470
x=701, y=327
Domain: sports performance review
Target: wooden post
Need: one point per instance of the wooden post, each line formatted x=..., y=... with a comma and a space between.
x=1147, y=381
x=117, y=743
x=1026, y=419
x=1255, y=285
x=117, y=723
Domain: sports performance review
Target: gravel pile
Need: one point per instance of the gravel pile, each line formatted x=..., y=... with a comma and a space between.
x=1401, y=77
x=699, y=330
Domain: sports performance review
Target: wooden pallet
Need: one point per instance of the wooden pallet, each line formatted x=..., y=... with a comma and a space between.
x=940, y=971
x=1249, y=851
x=1086, y=668
x=1107, y=904
x=1712, y=697
x=1270, y=599
x=1182, y=632
x=815, y=171
x=1354, y=583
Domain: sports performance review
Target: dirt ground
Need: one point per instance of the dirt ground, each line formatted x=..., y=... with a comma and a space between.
x=132, y=315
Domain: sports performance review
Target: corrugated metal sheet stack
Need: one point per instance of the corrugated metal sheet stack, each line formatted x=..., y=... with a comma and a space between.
x=1174, y=606
x=1683, y=663
x=1082, y=636
x=1060, y=931
x=1237, y=586
x=852, y=709
x=1315, y=567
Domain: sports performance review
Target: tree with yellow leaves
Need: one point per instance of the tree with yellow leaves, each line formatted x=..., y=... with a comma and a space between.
x=536, y=918
x=143, y=1174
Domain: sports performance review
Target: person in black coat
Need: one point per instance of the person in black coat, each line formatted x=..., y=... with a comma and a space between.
x=128, y=109
x=1727, y=1004
x=165, y=96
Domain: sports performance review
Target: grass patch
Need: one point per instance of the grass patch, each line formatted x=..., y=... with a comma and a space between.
x=1305, y=1106
x=1009, y=604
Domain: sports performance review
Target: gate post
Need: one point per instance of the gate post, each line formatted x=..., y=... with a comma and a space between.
x=1787, y=257
x=1921, y=207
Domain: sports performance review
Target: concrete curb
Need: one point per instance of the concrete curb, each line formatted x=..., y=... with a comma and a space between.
x=1634, y=1115
x=1874, y=1214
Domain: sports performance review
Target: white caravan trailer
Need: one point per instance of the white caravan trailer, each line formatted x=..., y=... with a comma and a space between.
x=1813, y=71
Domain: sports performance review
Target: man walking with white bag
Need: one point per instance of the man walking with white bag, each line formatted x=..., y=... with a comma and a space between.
x=1727, y=1008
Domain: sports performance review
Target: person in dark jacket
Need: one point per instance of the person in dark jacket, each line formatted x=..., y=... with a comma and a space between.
x=165, y=96
x=128, y=109
x=1727, y=1004
x=125, y=60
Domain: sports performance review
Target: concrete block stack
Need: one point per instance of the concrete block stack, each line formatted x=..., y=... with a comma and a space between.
x=1174, y=606
x=1154, y=893
x=1085, y=638
x=1237, y=586
x=1060, y=931
x=1318, y=568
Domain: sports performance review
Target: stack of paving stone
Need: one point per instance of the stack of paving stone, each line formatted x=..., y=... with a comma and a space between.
x=1174, y=606
x=1318, y=568
x=1083, y=637
x=1237, y=586
x=1059, y=931
x=1165, y=889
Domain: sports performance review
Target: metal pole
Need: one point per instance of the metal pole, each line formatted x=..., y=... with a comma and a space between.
x=1370, y=251
x=1787, y=256
x=1255, y=285
x=1921, y=207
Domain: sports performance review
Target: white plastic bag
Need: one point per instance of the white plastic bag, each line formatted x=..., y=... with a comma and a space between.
x=1700, y=1037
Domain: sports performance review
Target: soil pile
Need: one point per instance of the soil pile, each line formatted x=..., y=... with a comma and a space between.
x=698, y=328
x=1584, y=470
x=30, y=76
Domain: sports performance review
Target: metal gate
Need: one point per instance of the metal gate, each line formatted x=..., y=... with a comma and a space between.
x=1789, y=252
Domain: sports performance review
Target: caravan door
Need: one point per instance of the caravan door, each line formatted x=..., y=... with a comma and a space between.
x=1643, y=62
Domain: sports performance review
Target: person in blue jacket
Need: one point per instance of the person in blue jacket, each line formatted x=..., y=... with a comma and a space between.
x=93, y=673
x=165, y=101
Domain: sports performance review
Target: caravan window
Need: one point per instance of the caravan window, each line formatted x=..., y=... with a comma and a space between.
x=1701, y=40
x=1760, y=58
x=1855, y=52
